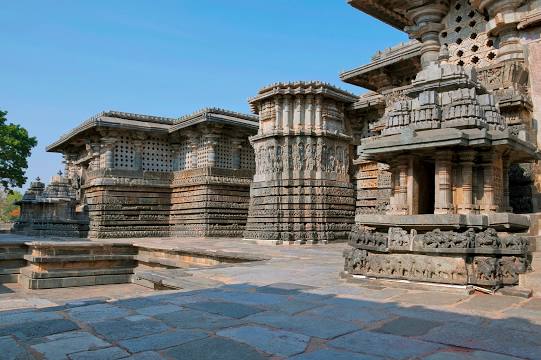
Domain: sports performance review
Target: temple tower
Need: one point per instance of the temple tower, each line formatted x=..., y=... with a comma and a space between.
x=302, y=190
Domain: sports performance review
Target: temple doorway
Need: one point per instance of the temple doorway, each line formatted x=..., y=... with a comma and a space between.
x=425, y=180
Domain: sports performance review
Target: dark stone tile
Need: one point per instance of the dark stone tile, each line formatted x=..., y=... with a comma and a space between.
x=11, y=350
x=137, y=303
x=331, y=354
x=97, y=313
x=276, y=342
x=384, y=345
x=19, y=317
x=162, y=340
x=59, y=346
x=195, y=319
x=468, y=355
x=213, y=349
x=229, y=309
x=283, y=288
x=363, y=314
x=121, y=329
x=35, y=329
x=488, y=338
x=110, y=353
x=406, y=326
x=305, y=324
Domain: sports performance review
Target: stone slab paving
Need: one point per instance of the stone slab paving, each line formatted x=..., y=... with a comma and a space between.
x=293, y=306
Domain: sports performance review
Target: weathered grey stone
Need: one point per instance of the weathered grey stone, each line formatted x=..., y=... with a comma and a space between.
x=408, y=327
x=233, y=310
x=384, y=345
x=326, y=354
x=276, y=342
x=121, y=329
x=305, y=324
x=60, y=345
x=161, y=341
x=214, y=348
x=111, y=353
x=11, y=350
x=158, y=309
x=195, y=319
x=97, y=313
x=35, y=329
x=492, y=339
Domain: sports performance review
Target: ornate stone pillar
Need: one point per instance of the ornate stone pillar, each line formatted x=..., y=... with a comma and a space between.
x=108, y=150
x=211, y=141
x=175, y=153
x=297, y=114
x=467, y=158
x=488, y=203
x=286, y=114
x=194, y=147
x=308, y=112
x=318, y=116
x=443, y=190
x=236, y=147
x=505, y=179
x=403, y=167
x=278, y=112
x=138, y=145
x=427, y=19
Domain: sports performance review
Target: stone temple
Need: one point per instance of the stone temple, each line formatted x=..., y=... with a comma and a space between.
x=432, y=175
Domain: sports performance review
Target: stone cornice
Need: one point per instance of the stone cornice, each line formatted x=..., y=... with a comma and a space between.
x=382, y=60
x=216, y=115
x=388, y=11
x=301, y=88
x=123, y=120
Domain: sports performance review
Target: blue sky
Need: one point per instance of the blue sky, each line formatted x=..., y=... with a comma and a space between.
x=63, y=61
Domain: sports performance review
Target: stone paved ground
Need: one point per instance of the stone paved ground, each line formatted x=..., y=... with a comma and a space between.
x=293, y=306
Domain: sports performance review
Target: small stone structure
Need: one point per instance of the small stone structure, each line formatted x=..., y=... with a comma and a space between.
x=134, y=175
x=51, y=210
x=302, y=190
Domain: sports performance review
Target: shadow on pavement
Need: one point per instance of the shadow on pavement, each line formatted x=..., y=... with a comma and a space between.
x=283, y=320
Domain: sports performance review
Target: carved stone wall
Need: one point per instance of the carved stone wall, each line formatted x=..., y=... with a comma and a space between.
x=302, y=190
x=450, y=257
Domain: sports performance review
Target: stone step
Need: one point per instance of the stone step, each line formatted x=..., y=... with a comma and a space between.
x=172, y=279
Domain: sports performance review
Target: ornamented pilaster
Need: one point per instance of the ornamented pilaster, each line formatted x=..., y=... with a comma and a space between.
x=427, y=19
x=211, y=141
x=236, y=146
x=443, y=189
x=108, y=151
x=466, y=162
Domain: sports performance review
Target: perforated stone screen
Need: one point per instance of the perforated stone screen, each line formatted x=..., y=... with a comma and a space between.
x=124, y=154
x=224, y=156
x=247, y=157
x=156, y=155
x=465, y=36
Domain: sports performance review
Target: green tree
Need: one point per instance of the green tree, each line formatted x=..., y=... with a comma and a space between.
x=8, y=210
x=15, y=148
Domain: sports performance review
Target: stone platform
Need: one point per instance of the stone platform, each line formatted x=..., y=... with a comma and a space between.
x=292, y=306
